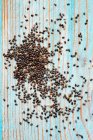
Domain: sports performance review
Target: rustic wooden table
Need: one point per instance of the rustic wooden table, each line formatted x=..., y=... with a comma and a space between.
x=11, y=14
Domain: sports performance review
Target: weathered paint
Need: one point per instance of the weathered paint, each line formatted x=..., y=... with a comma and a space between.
x=11, y=13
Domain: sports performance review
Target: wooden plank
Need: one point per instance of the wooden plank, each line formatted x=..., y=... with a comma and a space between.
x=13, y=12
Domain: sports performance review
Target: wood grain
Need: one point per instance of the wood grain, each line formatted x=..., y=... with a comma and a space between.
x=12, y=14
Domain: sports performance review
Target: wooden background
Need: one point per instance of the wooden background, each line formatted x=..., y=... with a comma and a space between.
x=11, y=14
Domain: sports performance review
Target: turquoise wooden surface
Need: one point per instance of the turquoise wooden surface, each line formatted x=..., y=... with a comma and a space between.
x=1, y=69
x=11, y=14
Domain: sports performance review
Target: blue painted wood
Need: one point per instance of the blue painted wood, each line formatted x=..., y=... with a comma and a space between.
x=1, y=69
x=13, y=13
